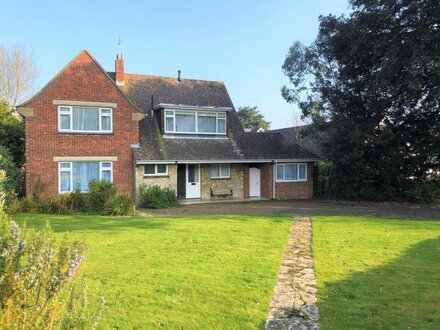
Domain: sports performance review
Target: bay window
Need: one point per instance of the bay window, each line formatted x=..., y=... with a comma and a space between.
x=84, y=119
x=195, y=122
x=77, y=175
x=220, y=171
x=291, y=172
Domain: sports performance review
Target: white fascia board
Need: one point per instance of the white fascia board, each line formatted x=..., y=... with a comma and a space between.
x=169, y=106
x=225, y=161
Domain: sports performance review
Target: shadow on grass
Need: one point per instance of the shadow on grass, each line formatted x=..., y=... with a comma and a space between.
x=401, y=294
x=84, y=223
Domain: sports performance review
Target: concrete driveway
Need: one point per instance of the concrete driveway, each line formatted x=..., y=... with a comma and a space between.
x=304, y=207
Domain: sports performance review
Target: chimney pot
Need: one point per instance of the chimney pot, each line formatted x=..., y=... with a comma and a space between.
x=178, y=75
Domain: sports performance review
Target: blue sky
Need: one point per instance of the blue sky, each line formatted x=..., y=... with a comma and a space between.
x=242, y=43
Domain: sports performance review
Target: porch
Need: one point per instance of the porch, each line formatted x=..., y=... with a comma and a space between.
x=197, y=183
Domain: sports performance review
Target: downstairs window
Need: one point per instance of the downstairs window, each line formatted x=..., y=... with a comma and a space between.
x=220, y=171
x=291, y=172
x=77, y=175
x=155, y=169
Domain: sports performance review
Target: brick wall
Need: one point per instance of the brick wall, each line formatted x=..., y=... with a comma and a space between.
x=296, y=190
x=266, y=180
x=81, y=80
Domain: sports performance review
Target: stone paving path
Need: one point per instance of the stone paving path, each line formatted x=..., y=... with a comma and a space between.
x=293, y=304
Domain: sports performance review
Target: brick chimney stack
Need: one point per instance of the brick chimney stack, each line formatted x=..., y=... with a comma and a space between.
x=119, y=70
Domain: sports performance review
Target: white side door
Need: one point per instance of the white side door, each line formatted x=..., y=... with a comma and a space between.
x=193, y=181
x=254, y=182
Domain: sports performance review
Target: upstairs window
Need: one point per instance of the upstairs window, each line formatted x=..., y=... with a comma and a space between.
x=220, y=171
x=291, y=172
x=85, y=119
x=195, y=122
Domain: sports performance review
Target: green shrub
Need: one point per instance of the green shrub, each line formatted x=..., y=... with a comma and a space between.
x=120, y=205
x=427, y=191
x=8, y=182
x=101, y=199
x=38, y=272
x=99, y=193
x=77, y=201
x=24, y=205
x=56, y=204
x=156, y=197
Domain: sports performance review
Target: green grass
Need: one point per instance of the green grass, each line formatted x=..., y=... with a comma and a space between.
x=220, y=271
x=199, y=272
x=377, y=273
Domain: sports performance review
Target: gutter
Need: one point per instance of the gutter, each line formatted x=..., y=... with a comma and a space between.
x=227, y=161
x=169, y=106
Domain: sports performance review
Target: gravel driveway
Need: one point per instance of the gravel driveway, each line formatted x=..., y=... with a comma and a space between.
x=304, y=207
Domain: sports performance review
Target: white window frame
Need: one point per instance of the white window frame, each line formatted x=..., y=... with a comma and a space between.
x=155, y=170
x=284, y=172
x=172, y=114
x=102, y=169
x=70, y=170
x=70, y=113
x=220, y=171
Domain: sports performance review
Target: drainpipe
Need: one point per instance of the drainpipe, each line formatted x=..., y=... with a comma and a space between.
x=274, y=167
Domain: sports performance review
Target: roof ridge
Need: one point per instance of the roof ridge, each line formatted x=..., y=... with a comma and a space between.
x=168, y=77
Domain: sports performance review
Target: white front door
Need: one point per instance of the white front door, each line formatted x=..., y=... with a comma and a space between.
x=254, y=182
x=192, y=181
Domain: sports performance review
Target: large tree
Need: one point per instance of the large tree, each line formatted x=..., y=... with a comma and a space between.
x=372, y=81
x=17, y=74
x=251, y=118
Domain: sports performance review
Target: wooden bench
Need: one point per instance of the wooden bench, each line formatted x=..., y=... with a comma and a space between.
x=221, y=193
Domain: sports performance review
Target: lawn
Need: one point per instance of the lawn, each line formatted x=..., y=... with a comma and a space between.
x=198, y=272
x=220, y=271
x=377, y=273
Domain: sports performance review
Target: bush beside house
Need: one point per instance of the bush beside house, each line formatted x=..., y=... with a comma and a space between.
x=101, y=199
x=155, y=197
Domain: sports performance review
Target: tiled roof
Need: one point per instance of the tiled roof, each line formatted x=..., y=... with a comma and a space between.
x=141, y=88
x=271, y=146
x=154, y=147
x=147, y=91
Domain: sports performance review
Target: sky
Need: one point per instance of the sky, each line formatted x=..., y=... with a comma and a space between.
x=242, y=43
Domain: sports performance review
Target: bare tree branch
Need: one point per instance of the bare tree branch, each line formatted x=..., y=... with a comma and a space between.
x=18, y=71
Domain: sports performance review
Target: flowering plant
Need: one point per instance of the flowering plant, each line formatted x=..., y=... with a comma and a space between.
x=38, y=275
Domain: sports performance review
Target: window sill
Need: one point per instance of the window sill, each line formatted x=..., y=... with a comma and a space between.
x=225, y=178
x=157, y=176
x=290, y=181
x=85, y=133
x=194, y=136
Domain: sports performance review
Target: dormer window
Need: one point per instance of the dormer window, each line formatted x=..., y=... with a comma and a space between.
x=85, y=119
x=195, y=122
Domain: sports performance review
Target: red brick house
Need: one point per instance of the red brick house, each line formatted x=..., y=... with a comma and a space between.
x=88, y=124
